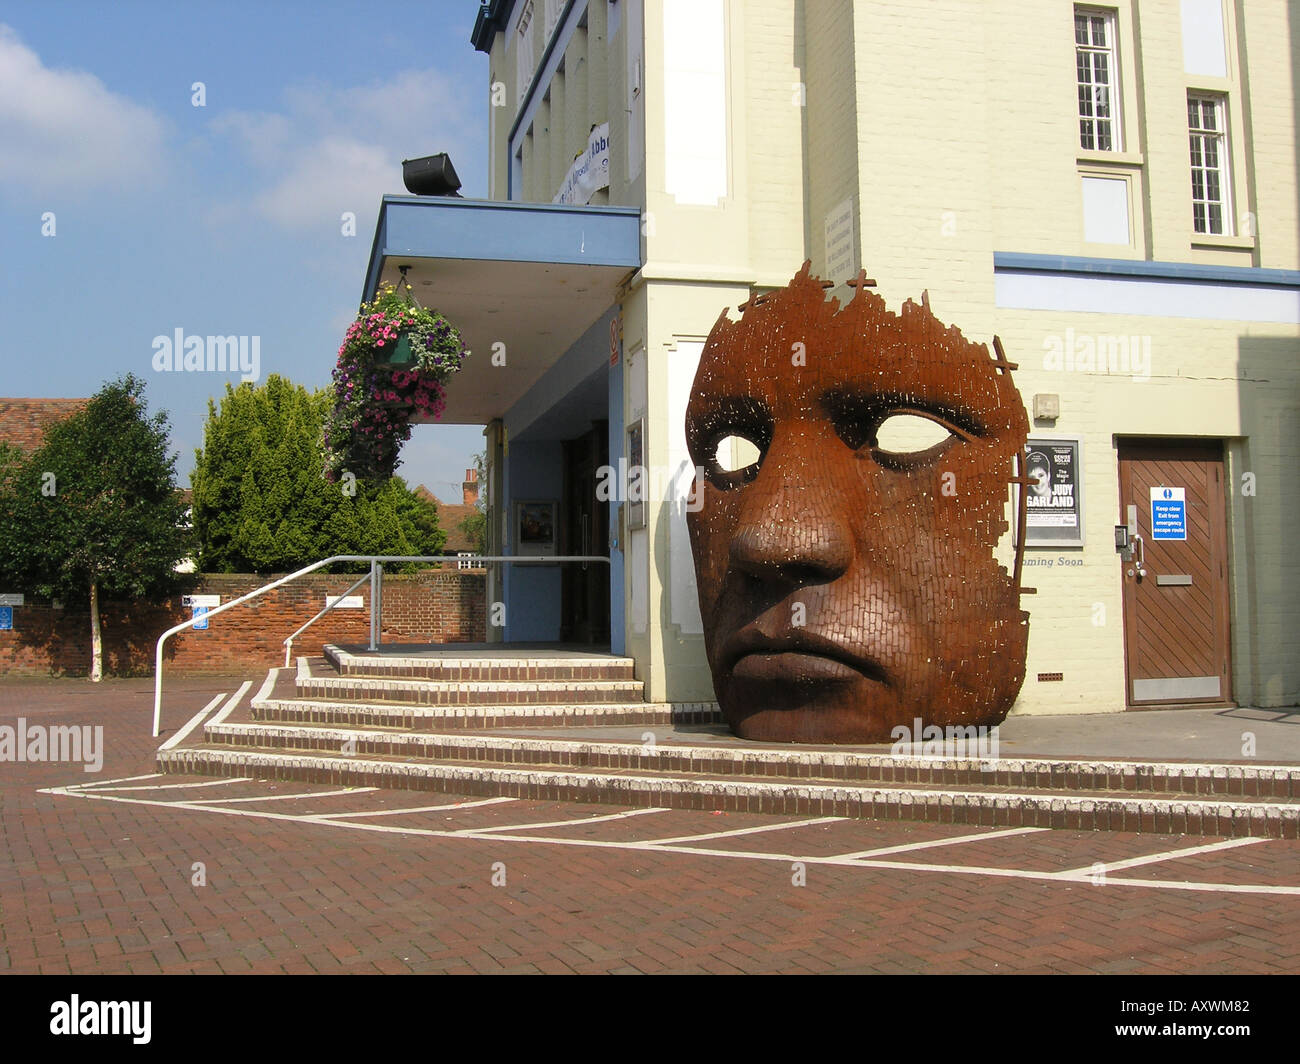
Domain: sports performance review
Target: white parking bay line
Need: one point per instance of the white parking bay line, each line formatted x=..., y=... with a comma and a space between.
x=278, y=797
x=743, y=831
x=543, y=840
x=960, y=870
x=191, y=724
x=414, y=809
x=1155, y=858
x=930, y=843
x=101, y=783
x=268, y=685
x=234, y=701
x=1214, y=888
x=559, y=823
x=180, y=786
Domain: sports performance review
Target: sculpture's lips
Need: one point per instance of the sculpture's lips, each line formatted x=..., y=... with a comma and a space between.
x=799, y=656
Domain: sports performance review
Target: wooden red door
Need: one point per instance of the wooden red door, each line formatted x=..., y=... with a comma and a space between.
x=1176, y=585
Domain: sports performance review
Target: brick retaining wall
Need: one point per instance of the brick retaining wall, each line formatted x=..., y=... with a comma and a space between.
x=444, y=606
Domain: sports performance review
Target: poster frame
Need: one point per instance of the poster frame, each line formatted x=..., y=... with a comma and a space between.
x=1051, y=538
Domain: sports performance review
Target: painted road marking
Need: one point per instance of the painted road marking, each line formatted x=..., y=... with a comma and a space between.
x=267, y=686
x=743, y=831
x=169, y=786
x=559, y=823
x=234, y=701
x=279, y=797
x=1153, y=858
x=957, y=840
x=121, y=779
x=790, y=858
x=414, y=809
x=191, y=724
x=1071, y=877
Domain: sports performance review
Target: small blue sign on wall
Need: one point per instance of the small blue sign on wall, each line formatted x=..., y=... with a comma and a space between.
x=1168, y=513
x=6, y=618
x=200, y=619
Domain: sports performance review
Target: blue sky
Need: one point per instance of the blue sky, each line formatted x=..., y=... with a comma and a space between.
x=223, y=219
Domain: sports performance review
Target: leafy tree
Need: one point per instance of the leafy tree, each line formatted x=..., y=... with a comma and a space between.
x=95, y=511
x=262, y=503
x=474, y=529
x=11, y=458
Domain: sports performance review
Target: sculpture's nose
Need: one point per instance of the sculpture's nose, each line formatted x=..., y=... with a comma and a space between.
x=793, y=524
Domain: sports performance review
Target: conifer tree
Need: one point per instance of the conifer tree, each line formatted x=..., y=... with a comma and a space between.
x=262, y=503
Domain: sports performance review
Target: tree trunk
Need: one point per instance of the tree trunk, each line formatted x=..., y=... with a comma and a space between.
x=96, y=640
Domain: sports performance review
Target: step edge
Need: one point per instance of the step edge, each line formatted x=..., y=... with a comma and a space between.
x=835, y=792
x=1187, y=770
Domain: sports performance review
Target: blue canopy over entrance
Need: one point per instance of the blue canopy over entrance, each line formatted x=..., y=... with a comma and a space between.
x=532, y=277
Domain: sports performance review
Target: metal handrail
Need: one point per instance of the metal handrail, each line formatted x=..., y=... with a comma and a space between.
x=288, y=643
x=375, y=575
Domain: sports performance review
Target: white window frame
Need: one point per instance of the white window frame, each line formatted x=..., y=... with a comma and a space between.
x=1199, y=135
x=1087, y=54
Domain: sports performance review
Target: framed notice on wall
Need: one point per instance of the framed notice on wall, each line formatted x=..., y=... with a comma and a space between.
x=1054, y=510
x=636, y=487
x=535, y=533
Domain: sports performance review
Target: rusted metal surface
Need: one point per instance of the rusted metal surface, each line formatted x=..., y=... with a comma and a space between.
x=847, y=590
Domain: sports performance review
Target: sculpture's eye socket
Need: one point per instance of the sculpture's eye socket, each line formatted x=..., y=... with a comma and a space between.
x=904, y=440
x=729, y=436
x=735, y=453
x=896, y=430
x=734, y=457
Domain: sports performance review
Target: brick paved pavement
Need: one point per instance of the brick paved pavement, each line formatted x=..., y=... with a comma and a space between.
x=105, y=886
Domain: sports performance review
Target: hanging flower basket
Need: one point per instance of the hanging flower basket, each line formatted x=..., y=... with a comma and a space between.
x=395, y=355
x=393, y=362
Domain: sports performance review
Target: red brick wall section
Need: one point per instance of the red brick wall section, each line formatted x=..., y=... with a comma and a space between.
x=445, y=606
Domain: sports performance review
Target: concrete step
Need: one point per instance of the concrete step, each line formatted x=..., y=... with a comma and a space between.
x=990, y=804
x=1170, y=779
x=451, y=666
x=422, y=692
x=393, y=714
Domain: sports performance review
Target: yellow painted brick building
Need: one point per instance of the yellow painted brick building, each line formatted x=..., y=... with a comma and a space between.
x=1110, y=188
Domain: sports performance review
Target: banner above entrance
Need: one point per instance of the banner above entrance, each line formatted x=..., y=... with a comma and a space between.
x=589, y=172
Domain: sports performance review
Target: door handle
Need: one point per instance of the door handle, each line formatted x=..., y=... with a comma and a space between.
x=1139, y=556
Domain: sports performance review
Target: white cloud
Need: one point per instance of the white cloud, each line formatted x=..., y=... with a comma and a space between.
x=63, y=129
x=333, y=150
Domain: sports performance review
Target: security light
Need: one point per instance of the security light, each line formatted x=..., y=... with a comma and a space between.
x=432, y=175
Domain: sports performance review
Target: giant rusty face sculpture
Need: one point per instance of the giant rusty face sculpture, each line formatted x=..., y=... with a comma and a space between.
x=847, y=589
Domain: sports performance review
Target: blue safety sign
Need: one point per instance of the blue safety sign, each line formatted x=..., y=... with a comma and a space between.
x=6, y=618
x=200, y=618
x=1168, y=513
